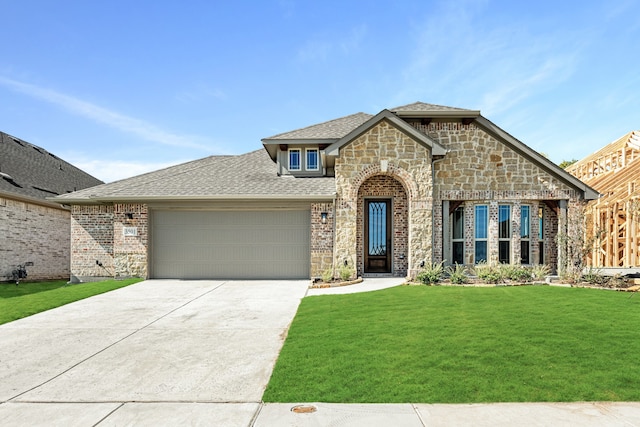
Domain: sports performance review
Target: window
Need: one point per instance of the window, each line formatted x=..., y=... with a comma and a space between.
x=457, y=236
x=525, y=235
x=504, y=234
x=481, y=233
x=540, y=235
x=294, y=159
x=312, y=159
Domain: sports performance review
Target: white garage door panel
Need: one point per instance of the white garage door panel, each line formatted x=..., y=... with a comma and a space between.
x=226, y=244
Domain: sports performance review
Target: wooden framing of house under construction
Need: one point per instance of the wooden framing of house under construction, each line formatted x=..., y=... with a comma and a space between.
x=613, y=220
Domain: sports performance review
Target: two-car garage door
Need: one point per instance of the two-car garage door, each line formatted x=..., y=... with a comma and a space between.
x=230, y=244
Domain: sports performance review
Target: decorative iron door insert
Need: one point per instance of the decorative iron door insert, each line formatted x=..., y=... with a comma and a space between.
x=377, y=236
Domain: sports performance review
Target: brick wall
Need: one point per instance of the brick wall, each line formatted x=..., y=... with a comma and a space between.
x=34, y=233
x=99, y=247
x=130, y=251
x=321, y=239
x=91, y=242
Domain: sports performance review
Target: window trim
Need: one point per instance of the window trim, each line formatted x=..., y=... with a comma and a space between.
x=477, y=239
x=291, y=151
x=525, y=239
x=306, y=159
x=541, y=244
x=461, y=238
x=509, y=232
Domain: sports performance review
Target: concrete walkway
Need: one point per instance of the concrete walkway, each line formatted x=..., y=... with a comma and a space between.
x=173, y=353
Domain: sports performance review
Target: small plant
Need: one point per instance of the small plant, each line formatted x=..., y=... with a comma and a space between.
x=432, y=274
x=594, y=277
x=327, y=275
x=346, y=272
x=540, y=271
x=457, y=274
x=488, y=273
x=516, y=273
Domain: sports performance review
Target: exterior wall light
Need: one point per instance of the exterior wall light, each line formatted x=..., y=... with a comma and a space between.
x=323, y=217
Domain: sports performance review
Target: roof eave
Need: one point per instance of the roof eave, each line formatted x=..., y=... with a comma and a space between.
x=216, y=198
x=33, y=200
x=454, y=114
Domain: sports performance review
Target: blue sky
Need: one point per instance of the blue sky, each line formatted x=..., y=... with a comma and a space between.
x=123, y=87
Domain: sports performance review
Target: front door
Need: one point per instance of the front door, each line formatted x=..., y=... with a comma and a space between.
x=377, y=236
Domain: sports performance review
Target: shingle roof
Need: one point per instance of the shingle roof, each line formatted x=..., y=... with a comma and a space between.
x=30, y=171
x=422, y=106
x=333, y=129
x=247, y=176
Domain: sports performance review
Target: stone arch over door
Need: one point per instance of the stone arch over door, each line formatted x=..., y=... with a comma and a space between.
x=385, y=187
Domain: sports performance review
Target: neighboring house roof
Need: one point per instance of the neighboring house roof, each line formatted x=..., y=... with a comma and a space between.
x=31, y=172
x=246, y=176
x=614, y=170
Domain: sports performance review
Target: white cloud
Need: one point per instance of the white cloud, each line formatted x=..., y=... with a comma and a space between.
x=114, y=170
x=458, y=56
x=323, y=49
x=130, y=125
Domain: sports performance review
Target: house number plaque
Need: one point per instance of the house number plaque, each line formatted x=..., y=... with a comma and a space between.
x=129, y=231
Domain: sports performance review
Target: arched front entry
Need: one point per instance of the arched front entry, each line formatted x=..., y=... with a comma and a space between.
x=382, y=227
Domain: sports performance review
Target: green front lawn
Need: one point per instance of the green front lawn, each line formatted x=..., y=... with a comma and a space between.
x=424, y=344
x=27, y=298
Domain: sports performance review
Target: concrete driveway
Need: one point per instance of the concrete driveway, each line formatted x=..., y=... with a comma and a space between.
x=192, y=352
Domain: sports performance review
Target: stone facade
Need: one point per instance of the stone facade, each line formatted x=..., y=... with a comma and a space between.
x=100, y=249
x=480, y=170
x=384, y=151
x=34, y=233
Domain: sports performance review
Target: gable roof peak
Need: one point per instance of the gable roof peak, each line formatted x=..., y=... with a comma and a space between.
x=421, y=109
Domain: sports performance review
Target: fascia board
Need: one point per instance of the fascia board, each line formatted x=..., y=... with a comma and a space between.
x=221, y=197
x=535, y=157
x=439, y=114
x=47, y=202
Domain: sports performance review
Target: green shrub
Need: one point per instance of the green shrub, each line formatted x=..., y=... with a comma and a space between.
x=489, y=273
x=457, y=274
x=327, y=275
x=346, y=272
x=540, y=271
x=594, y=277
x=516, y=273
x=432, y=274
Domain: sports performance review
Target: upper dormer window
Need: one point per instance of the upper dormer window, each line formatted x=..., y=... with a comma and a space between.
x=294, y=159
x=312, y=159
